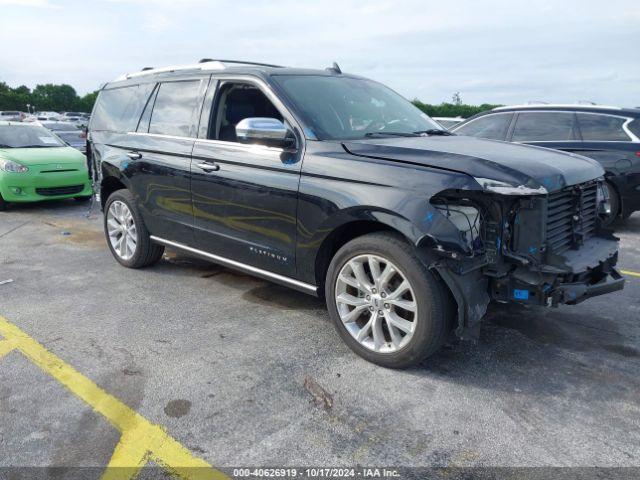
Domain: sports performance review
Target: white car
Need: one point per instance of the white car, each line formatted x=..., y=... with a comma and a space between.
x=12, y=116
x=448, y=122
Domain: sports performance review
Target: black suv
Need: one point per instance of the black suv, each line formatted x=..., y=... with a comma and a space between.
x=337, y=186
x=610, y=135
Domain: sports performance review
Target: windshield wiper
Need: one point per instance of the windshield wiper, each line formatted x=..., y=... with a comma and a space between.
x=392, y=134
x=39, y=146
x=435, y=131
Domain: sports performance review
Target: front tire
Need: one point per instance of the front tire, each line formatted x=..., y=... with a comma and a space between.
x=127, y=235
x=385, y=304
x=614, y=201
x=3, y=204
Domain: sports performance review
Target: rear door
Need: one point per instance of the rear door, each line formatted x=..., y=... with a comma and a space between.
x=160, y=158
x=548, y=129
x=245, y=195
x=609, y=140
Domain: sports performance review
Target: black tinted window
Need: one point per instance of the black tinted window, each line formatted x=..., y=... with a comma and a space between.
x=635, y=127
x=601, y=127
x=174, y=108
x=119, y=109
x=541, y=126
x=490, y=126
x=143, y=125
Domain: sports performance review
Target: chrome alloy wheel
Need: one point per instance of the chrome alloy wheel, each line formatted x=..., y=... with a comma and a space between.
x=376, y=303
x=121, y=229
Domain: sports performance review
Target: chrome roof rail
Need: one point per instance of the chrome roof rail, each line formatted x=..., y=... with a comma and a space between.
x=555, y=105
x=203, y=65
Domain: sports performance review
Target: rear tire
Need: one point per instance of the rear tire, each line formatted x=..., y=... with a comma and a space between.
x=384, y=328
x=3, y=204
x=126, y=233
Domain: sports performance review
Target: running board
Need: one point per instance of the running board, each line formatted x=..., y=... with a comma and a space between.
x=227, y=262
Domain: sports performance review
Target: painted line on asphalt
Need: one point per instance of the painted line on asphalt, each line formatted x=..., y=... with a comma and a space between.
x=141, y=440
x=630, y=273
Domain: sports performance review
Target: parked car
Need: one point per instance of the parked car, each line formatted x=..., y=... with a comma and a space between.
x=337, y=186
x=36, y=165
x=448, y=122
x=69, y=133
x=41, y=117
x=79, y=119
x=609, y=135
x=54, y=116
x=11, y=116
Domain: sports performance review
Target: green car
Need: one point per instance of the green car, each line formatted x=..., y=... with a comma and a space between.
x=37, y=165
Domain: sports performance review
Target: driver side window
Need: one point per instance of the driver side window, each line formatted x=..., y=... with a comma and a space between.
x=235, y=102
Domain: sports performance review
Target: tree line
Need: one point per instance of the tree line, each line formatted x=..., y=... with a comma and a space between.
x=47, y=97
x=64, y=98
x=452, y=109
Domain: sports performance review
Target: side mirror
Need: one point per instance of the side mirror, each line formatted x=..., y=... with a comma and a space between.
x=268, y=131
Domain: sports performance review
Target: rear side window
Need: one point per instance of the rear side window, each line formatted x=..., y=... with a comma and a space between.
x=174, y=108
x=490, y=126
x=119, y=109
x=602, y=128
x=635, y=127
x=543, y=126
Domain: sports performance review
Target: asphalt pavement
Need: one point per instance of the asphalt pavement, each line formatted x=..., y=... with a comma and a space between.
x=242, y=372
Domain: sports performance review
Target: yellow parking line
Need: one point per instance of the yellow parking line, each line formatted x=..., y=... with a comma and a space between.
x=141, y=440
x=632, y=274
x=5, y=347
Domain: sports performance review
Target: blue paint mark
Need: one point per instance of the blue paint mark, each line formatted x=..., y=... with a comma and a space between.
x=521, y=294
x=546, y=288
x=533, y=250
x=498, y=243
x=125, y=164
x=310, y=134
x=428, y=217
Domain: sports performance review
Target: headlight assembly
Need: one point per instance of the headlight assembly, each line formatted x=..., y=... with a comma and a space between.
x=12, y=167
x=467, y=220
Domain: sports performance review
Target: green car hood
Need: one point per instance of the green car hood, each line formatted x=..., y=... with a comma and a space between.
x=43, y=156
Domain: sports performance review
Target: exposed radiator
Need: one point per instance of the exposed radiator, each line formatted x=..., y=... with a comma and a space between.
x=571, y=217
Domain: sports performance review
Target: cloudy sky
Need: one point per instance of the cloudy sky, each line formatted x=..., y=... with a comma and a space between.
x=493, y=51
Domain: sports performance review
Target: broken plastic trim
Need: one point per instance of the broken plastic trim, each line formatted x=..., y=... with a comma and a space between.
x=503, y=188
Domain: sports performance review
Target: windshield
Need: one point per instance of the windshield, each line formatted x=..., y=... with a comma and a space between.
x=343, y=108
x=23, y=136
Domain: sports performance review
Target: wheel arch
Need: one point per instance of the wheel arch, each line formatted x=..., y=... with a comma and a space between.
x=354, y=226
x=112, y=180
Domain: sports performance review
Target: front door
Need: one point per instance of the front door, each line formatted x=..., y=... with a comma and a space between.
x=245, y=195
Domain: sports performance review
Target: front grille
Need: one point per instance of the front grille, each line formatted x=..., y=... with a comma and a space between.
x=53, y=191
x=571, y=216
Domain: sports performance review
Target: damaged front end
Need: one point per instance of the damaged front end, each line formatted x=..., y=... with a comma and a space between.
x=522, y=244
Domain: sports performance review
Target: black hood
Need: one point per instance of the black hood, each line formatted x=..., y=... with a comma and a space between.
x=515, y=164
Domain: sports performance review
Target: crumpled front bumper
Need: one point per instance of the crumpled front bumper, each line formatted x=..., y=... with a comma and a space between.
x=584, y=273
x=574, y=293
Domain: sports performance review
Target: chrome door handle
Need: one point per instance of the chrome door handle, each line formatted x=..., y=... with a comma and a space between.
x=134, y=155
x=208, y=167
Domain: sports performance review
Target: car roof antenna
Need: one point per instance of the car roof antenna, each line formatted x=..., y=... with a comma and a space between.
x=334, y=68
